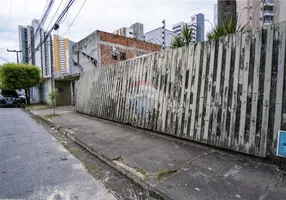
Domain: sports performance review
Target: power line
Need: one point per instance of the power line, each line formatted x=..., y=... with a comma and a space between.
x=10, y=18
x=43, y=18
x=55, y=27
x=75, y=17
x=55, y=14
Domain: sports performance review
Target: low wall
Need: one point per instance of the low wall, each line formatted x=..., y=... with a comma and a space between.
x=225, y=93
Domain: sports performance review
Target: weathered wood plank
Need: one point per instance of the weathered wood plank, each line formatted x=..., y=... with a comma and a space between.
x=223, y=133
x=177, y=87
x=195, y=89
x=255, y=90
x=134, y=90
x=171, y=103
x=217, y=100
x=182, y=90
x=235, y=78
x=209, y=108
x=167, y=97
x=280, y=84
x=153, y=101
x=188, y=93
x=163, y=97
x=148, y=90
x=202, y=89
x=157, y=91
x=266, y=96
x=246, y=44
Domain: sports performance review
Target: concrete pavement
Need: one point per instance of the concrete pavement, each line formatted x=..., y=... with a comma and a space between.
x=175, y=168
x=34, y=165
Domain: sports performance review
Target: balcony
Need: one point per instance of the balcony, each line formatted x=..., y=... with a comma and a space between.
x=267, y=22
x=268, y=3
x=268, y=13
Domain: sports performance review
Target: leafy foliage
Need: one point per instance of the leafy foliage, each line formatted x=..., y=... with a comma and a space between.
x=185, y=38
x=18, y=76
x=229, y=27
x=53, y=96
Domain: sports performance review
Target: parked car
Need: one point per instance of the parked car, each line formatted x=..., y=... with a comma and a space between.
x=22, y=96
x=9, y=98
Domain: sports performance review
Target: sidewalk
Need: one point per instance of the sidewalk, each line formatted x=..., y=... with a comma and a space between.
x=173, y=168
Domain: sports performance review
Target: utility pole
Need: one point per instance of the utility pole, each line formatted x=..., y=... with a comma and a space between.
x=15, y=51
x=52, y=58
x=164, y=35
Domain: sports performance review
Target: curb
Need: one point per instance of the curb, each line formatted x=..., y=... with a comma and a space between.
x=106, y=160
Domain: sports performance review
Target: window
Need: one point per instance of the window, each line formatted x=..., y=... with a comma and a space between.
x=122, y=56
x=114, y=56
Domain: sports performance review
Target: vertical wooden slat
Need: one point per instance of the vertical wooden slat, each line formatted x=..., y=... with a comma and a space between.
x=138, y=111
x=158, y=92
x=190, y=65
x=148, y=91
x=167, y=97
x=280, y=83
x=209, y=108
x=124, y=79
x=102, y=91
x=195, y=89
x=222, y=139
x=178, y=66
x=266, y=96
x=234, y=91
x=131, y=96
x=118, y=91
x=171, y=94
x=202, y=89
x=246, y=44
x=127, y=92
x=217, y=100
x=182, y=89
x=163, y=98
x=255, y=90
x=155, y=90
x=133, y=91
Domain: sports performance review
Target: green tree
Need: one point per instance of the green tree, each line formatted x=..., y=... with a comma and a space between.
x=187, y=37
x=19, y=76
x=227, y=28
x=52, y=97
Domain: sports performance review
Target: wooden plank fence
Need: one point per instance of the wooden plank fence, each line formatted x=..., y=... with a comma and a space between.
x=227, y=93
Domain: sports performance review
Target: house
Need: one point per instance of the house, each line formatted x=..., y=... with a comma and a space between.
x=101, y=48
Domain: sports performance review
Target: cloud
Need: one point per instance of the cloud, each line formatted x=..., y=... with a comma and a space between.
x=108, y=15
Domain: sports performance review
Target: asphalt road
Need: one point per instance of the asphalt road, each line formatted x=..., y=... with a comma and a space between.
x=34, y=165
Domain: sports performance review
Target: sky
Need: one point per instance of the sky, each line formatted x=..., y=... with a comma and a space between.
x=105, y=15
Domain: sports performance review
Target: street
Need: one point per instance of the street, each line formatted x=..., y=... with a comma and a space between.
x=34, y=165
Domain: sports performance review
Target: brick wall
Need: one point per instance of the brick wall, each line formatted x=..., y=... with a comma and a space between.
x=128, y=46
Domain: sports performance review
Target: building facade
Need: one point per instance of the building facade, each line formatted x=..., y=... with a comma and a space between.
x=258, y=13
x=156, y=36
x=138, y=31
x=62, y=50
x=177, y=28
x=23, y=43
x=102, y=48
x=198, y=22
x=135, y=31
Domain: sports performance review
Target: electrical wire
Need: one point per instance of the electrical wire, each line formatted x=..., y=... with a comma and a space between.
x=10, y=18
x=55, y=14
x=75, y=17
x=64, y=12
x=43, y=18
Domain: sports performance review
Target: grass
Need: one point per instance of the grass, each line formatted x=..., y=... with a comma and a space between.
x=50, y=116
x=37, y=106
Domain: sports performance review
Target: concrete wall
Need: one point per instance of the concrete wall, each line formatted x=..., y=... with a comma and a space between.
x=225, y=93
x=46, y=87
x=85, y=53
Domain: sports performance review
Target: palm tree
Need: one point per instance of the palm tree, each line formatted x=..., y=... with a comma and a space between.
x=187, y=37
x=228, y=27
